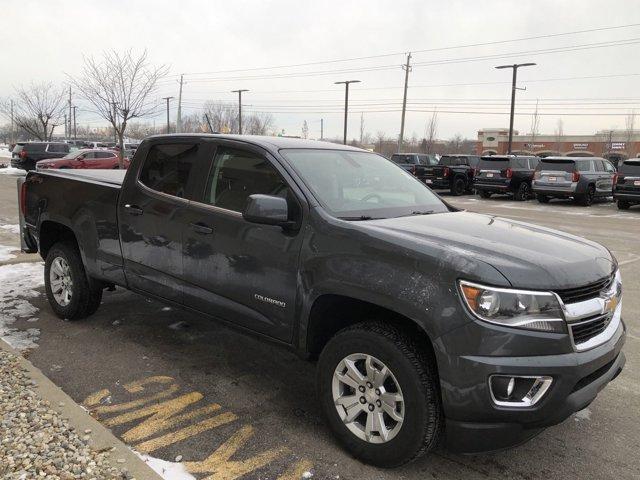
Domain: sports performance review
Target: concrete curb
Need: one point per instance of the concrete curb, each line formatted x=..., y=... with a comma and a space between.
x=79, y=418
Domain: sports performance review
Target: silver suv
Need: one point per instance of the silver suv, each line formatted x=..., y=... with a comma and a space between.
x=582, y=179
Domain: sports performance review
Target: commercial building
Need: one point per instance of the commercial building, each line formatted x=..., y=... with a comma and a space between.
x=615, y=145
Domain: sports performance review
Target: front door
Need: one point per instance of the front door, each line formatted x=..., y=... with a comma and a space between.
x=151, y=216
x=242, y=272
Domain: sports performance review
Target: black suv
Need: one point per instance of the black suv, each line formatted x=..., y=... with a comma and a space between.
x=582, y=179
x=505, y=174
x=25, y=155
x=627, y=184
x=417, y=164
x=453, y=173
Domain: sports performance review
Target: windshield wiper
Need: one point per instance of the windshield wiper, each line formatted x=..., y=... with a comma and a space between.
x=417, y=212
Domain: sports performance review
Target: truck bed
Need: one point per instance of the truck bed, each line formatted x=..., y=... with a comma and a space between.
x=110, y=177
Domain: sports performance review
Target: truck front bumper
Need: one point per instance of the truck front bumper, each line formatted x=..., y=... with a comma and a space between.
x=476, y=423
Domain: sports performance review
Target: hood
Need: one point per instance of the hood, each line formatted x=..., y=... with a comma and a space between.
x=529, y=256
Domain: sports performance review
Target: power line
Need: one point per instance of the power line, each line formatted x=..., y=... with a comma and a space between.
x=427, y=50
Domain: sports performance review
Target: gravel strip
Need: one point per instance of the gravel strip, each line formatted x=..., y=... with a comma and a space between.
x=36, y=442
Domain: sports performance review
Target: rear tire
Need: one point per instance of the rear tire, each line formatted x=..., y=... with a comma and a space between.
x=623, y=205
x=408, y=368
x=484, y=194
x=543, y=198
x=523, y=192
x=586, y=200
x=83, y=297
x=459, y=186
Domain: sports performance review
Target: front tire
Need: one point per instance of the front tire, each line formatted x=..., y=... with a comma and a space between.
x=484, y=194
x=379, y=392
x=71, y=295
x=586, y=200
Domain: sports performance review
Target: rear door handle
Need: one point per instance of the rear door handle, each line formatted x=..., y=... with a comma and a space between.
x=133, y=209
x=201, y=228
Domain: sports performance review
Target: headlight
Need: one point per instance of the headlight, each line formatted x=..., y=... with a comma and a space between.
x=514, y=308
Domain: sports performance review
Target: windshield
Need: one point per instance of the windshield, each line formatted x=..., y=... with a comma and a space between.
x=361, y=185
x=400, y=159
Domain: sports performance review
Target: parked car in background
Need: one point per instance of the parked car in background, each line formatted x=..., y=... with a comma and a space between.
x=508, y=174
x=417, y=164
x=102, y=159
x=580, y=178
x=627, y=184
x=454, y=173
x=25, y=154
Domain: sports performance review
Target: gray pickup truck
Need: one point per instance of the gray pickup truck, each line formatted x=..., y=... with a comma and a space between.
x=429, y=323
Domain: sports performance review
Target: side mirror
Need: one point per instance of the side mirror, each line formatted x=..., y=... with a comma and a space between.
x=266, y=210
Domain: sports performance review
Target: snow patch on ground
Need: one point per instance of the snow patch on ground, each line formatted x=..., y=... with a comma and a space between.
x=583, y=415
x=12, y=171
x=6, y=253
x=18, y=283
x=15, y=229
x=167, y=470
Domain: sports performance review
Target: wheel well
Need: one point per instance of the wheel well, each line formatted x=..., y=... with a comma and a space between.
x=52, y=233
x=331, y=313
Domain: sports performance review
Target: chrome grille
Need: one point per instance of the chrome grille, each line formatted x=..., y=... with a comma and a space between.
x=587, y=329
x=579, y=294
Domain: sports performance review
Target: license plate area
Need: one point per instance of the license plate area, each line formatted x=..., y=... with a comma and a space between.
x=552, y=179
x=489, y=175
x=636, y=183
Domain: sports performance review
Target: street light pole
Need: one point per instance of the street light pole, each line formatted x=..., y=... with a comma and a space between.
x=168, y=124
x=239, y=92
x=515, y=67
x=346, y=105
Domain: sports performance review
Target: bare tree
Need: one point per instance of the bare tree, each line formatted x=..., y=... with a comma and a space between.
x=37, y=109
x=630, y=122
x=535, y=126
x=381, y=137
x=431, y=132
x=305, y=129
x=559, y=133
x=259, y=124
x=223, y=116
x=455, y=144
x=120, y=87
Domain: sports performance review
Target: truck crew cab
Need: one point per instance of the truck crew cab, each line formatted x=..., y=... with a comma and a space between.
x=429, y=324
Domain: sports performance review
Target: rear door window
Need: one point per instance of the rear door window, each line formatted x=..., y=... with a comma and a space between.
x=169, y=168
x=533, y=163
x=630, y=167
x=35, y=147
x=556, y=165
x=585, y=166
x=608, y=167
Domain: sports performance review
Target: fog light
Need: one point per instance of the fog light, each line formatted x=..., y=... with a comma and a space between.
x=518, y=391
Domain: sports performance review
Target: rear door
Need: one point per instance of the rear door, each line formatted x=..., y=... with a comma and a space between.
x=239, y=271
x=151, y=215
x=556, y=173
x=628, y=180
x=106, y=159
x=607, y=178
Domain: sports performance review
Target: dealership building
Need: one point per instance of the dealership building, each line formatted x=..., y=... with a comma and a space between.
x=615, y=145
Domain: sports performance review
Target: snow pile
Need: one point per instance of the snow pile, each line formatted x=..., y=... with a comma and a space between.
x=12, y=171
x=5, y=154
x=167, y=470
x=18, y=283
x=6, y=253
x=15, y=229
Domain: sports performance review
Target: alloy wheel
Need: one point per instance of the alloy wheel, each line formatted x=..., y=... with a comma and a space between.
x=61, y=281
x=368, y=398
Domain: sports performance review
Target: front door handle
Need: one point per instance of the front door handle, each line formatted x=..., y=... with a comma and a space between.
x=133, y=209
x=201, y=228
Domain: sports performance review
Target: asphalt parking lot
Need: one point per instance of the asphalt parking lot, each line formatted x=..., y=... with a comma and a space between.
x=229, y=406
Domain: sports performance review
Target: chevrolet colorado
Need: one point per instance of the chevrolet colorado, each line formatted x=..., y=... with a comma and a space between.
x=428, y=323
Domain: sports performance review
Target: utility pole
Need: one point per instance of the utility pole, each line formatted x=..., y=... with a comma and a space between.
x=168, y=124
x=115, y=121
x=346, y=105
x=75, y=130
x=179, y=114
x=69, y=129
x=239, y=92
x=206, y=115
x=13, y=139
x=515, y=67
x=321, y=128
x=407, y=69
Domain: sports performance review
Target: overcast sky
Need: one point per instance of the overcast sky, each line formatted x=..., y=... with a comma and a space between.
x=44, y=40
